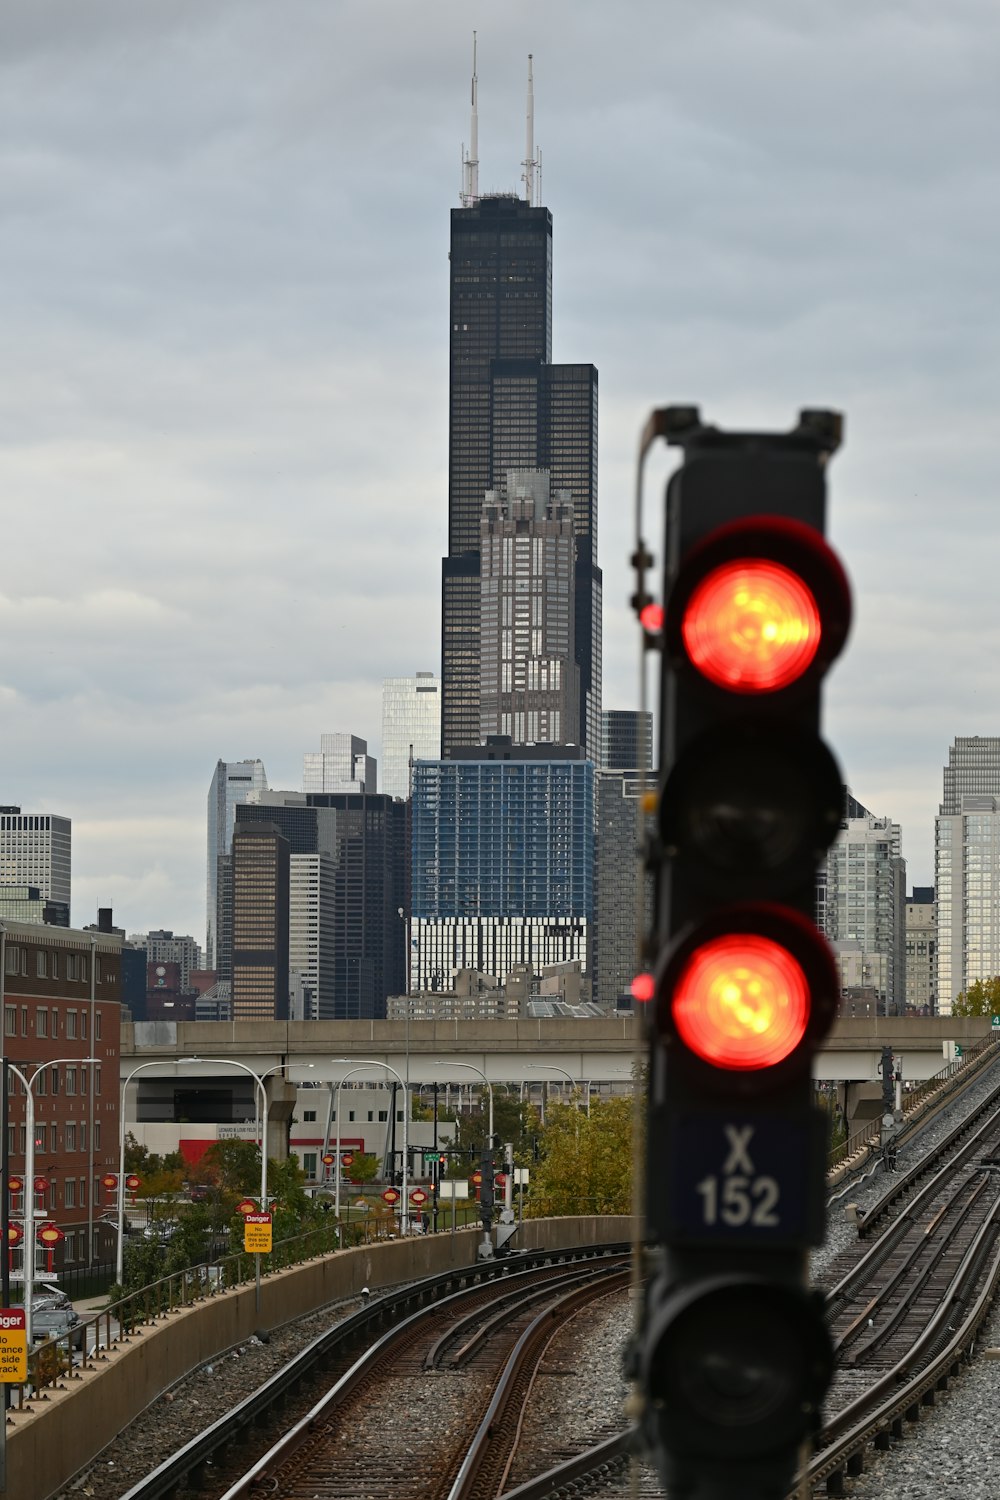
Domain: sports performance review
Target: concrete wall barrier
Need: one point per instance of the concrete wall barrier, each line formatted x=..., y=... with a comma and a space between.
x=54, y=1437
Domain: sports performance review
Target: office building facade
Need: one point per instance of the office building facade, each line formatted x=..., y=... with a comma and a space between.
x=36, y=849
x=967, y=868
x=411, y=728
x=626, y=740
x=510, y=407
x=232, y=782
x=921, y=952
x=25, y=903
x=503, y=863
x=261, y=879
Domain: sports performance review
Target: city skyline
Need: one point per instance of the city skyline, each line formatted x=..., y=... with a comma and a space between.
x=225, y=389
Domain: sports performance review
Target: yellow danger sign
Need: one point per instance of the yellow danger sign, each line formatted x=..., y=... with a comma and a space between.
x=257, y=1234
x=13, y=1346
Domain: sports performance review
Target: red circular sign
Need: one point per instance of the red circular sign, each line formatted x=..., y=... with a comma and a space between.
x=501, y=1179
x=246, y=1206
x=41, y=1184
x=50, y=1234
x=329, y=1159
x=15, y=1184
x=390, y=1196
x=133, y=1183
x=347, y=1159
x=15, y=1234
x=477, y=1178
x=418, y=1196
x=109, y=1180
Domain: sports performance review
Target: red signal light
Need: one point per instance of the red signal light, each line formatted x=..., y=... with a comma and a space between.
x=651, y=618
x=752, y=626
x=643, y=987
x=741, y=1001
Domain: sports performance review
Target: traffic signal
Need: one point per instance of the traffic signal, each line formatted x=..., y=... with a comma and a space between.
x=734, y=1359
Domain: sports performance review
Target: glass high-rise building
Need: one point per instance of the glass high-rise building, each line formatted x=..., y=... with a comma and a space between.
x=260, y=923
x=967, y=868
x=626, y=740
x=341, y=764
x=411, y=727
x=232, y=782
x=503, y=862
x=864, y=905
x=510, y=407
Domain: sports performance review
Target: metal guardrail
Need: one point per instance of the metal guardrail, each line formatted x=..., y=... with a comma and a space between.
x=915, y=1098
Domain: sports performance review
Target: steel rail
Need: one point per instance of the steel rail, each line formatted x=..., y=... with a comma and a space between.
x=192, y=1458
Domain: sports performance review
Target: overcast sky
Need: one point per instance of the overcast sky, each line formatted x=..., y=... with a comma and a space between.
x=223, y=411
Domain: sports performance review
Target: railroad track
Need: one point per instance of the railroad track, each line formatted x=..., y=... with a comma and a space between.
x=380, y=1425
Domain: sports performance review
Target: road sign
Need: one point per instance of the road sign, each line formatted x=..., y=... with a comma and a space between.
x=246, y=1206
x=390, y=1196
x=257, y=1234
x=13, y=1346
x=995, y=1023
x=418, y=1196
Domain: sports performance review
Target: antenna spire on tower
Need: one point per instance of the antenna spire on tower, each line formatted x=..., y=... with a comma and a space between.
x=470, y=160
x=532, y=163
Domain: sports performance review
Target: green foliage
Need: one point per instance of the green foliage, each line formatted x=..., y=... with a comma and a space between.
x=364, y=1167
x=152, y=1167
x=982, y=998
x=233, y=1166
x=586, y=1162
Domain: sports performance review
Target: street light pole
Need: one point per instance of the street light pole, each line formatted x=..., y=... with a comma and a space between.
x=120, y=1256
x=555, y=1068
x=369, y=1062
x=446, y=1062
x=29, y=1176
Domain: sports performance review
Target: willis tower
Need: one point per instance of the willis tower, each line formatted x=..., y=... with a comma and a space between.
x=511, y=408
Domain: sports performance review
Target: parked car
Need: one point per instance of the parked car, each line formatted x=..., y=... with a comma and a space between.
x=55, y=1319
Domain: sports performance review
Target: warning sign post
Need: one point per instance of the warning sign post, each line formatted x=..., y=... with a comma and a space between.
x=13, y=1346
x=257, y=1234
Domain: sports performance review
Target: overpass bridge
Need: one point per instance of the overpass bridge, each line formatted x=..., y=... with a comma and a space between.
x=598, y=1054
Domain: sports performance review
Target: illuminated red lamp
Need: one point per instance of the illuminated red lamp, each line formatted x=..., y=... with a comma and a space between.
x=759, y=605
x=741, y=1001
x=643, y=988
x=651, y=617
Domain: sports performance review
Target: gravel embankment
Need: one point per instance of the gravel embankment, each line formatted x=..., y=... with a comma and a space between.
x=950, y=1454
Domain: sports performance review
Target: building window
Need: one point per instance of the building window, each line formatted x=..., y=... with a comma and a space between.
x=10, y=1020
x=308, y=1114
x=309, y=1163
x=69, y=1193
x=24, y=1020
x=55, y=966
x=40, y=1083
x=83, y=1192
x=97, y=1135
x=83, y=968
x=71, y=963
x=22, y=1138
x=71, y=1024
x=11, y=961
x=98, y=976
x=41, y=1023
x=370, y=1117
x=83, y=1024
x=55, y=1080
x=97, y=1027
x=41, y=967
x=41, y=1137
x=350, y=1114
x=383, y=1115
x=70, y=1136
x=97, y=1078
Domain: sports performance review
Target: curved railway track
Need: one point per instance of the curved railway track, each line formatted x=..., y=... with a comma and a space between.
x=429, y=1408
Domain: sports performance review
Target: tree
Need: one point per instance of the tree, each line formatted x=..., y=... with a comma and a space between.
x=233, y=1166
x=364, y=1167
x=982, y=998
x=586, y=1161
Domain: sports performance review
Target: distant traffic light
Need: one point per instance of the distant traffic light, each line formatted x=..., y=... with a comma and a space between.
x=734, y=1358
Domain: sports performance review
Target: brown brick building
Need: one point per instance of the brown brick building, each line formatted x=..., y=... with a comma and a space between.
x=60, y=990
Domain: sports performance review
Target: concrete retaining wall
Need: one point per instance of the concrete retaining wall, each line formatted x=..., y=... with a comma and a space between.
x=48, y=1442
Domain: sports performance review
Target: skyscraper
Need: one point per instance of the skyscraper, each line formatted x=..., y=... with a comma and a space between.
x=511, y=408
x=342, y=764
x=503, y=862
x=864, y=906
x=36, y=850
x=231, y=783
x=967, y=867
x=260, y=923
x=626, y=740
x=411, y=721
x=530, y=681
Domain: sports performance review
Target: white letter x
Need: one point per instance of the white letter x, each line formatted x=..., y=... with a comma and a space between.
x=738, y=1159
